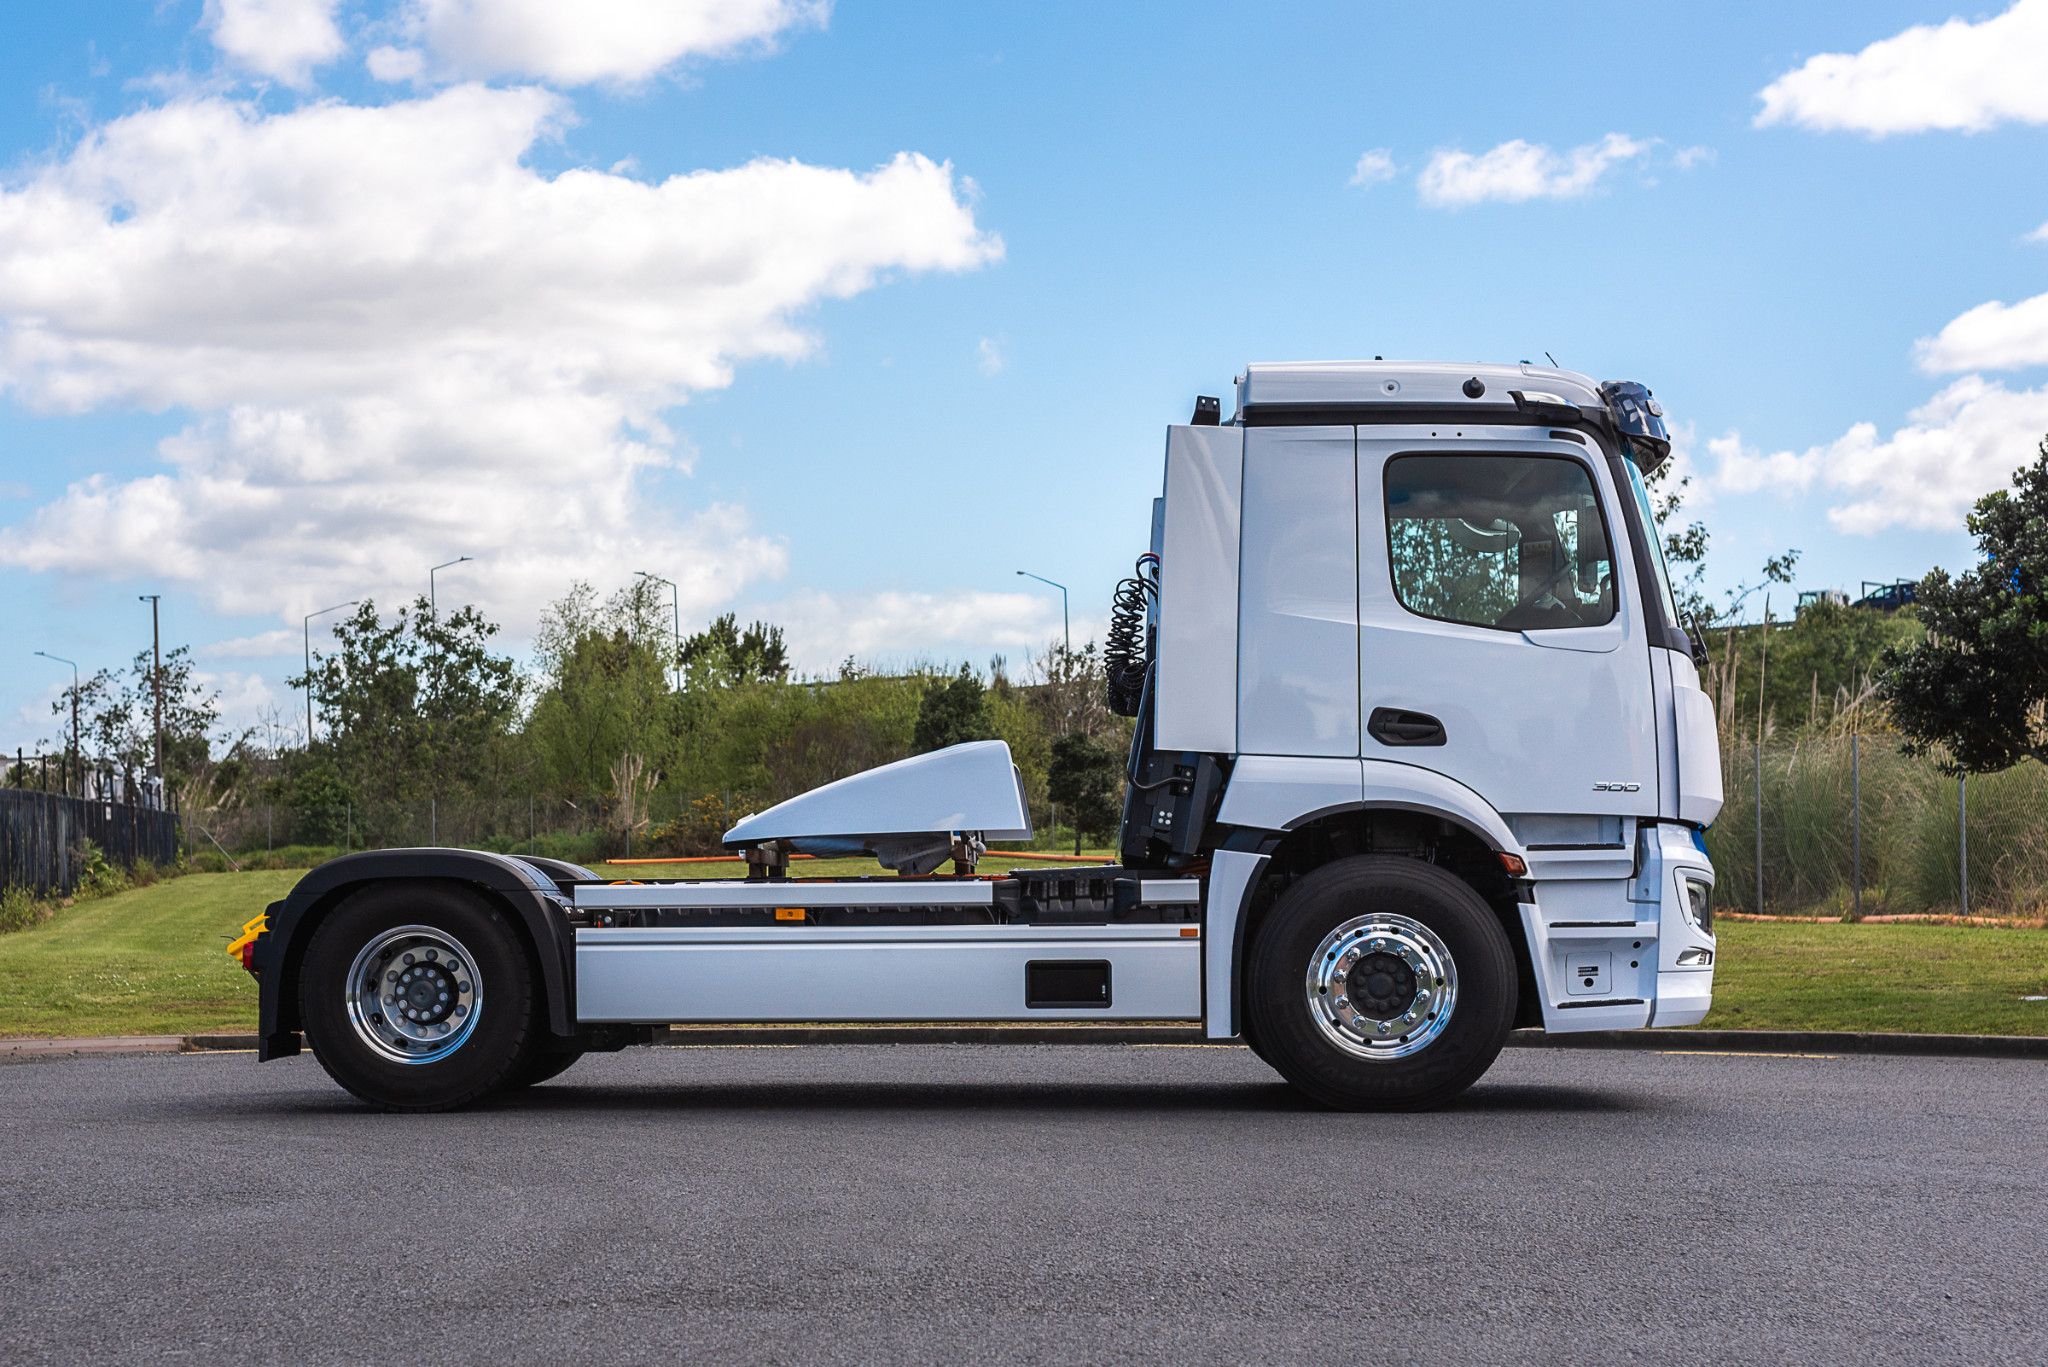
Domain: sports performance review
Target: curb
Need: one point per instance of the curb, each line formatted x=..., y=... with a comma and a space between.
x=703, y=1036
x=1795, y=1042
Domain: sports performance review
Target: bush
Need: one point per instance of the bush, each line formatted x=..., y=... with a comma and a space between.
x=698, y=830
x=19, y=909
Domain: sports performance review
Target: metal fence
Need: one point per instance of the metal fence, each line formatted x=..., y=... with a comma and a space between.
x=1830, y=826
x=1847, y=825
x=43, y=835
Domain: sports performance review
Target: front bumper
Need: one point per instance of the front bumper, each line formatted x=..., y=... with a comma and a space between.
x=1624, y=953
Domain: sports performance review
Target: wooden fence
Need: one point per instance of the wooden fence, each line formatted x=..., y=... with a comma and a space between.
x=41, y=834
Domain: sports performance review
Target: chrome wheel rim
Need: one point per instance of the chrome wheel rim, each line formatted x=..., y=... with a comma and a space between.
x=414, y=994
x=1382, y=986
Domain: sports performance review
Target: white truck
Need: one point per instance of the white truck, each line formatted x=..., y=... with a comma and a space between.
x=1420, y=756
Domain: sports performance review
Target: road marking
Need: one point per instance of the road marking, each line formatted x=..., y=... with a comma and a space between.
x=1738, y=1053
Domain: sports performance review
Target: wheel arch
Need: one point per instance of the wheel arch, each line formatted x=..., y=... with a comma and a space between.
x=1388, y=827
x=528, y=893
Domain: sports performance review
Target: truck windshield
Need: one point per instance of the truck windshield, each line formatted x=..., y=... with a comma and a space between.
x=1655, y=536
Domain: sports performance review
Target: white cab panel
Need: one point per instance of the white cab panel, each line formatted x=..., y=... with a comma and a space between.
x=1195, y=705
x=1389, y=783
x=1529, y=726
x=1273, y=792
x=892, y=973
x=1297, y=672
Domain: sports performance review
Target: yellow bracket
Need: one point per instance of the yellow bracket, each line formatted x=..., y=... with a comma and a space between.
x=252, y=931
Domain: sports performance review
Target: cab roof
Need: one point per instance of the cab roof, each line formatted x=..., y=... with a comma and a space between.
x=1433, y=384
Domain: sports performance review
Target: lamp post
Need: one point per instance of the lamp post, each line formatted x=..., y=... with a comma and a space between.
x=76, y=760
x=306, y=628
x=675, y=607
x=1066, y=631
x=156, y=675
x=433, y=601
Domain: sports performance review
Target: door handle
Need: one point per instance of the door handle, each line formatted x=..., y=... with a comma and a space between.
x=1397, y=726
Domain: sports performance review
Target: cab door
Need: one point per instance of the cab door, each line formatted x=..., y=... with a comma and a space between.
x=1501, y=640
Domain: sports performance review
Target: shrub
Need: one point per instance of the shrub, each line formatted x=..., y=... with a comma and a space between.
x=19, y=909
x=698, y=830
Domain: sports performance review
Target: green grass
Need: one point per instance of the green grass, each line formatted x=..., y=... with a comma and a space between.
x=1776, y=975
x=150, y=962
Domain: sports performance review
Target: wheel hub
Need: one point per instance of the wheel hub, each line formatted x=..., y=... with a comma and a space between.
x=414, y=994
x=1382, y=986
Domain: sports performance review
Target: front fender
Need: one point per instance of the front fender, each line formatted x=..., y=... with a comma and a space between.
x=527, y=891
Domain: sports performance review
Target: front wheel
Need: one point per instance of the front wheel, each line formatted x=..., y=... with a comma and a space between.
x=419, y=998
x=1380, y=983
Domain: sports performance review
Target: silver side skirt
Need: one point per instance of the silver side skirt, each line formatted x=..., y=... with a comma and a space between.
x=882, y=973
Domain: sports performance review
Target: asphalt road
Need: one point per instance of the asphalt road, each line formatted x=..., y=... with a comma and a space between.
x=1063, y=1203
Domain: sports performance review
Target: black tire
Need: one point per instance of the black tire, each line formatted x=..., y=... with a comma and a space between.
x=543, y=1064
x=500, y=1044
x=1279, y=1014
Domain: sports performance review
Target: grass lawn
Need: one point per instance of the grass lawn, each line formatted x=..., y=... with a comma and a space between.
x=151, y=962
x=1775, y=975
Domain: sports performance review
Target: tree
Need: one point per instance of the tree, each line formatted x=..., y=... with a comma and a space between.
x=724, y=656
x=1086, y=780
x=117, y=721
x=1685, y=554
x=1974, y=693
x=414, y=701
x=952, y=712
x=604, y=688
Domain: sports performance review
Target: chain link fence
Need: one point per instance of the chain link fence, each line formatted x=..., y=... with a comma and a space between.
x=1849, y=826
x=1836, y=826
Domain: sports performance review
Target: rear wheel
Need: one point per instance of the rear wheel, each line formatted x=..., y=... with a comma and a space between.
x=1380, y=983
x=419, y=997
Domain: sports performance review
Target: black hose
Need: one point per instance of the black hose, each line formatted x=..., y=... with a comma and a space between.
x=1124, y=653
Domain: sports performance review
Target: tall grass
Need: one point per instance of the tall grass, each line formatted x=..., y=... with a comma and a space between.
x=1911, y=846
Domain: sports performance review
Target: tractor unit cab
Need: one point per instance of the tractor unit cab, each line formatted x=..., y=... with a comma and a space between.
x=1423, y=609
x=1420, y=756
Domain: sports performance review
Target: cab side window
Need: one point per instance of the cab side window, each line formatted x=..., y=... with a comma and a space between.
x=1513, y=542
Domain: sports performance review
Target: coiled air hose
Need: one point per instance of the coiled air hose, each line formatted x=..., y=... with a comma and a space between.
x=1125, y=659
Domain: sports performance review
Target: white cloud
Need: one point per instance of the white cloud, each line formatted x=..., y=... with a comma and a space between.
x=1741, y=469
x=824, y=628
x=402, y=343
x=395, y=63
x=1957, y=76
x=1991, y=336
x=1517, y=171
x=988, y=356
x=263, y=645
x=618, y=41
x=1963, y=442
x=282, y=39
x=1373, y=167
x=1685, y=158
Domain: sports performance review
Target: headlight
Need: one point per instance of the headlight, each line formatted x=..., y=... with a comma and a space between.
x=1699, y=901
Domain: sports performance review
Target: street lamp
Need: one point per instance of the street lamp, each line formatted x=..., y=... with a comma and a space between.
x=156, y=674
x=434, y=602
x=675, y=607
x=76, y=759
x=1066, y=631
x=306, y=628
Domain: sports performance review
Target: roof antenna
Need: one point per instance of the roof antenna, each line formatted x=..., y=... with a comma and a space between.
x=1553, y=361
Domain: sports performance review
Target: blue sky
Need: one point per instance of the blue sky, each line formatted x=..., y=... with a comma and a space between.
x=843, y=315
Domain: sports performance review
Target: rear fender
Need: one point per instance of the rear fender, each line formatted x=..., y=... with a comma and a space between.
x=529, y=892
